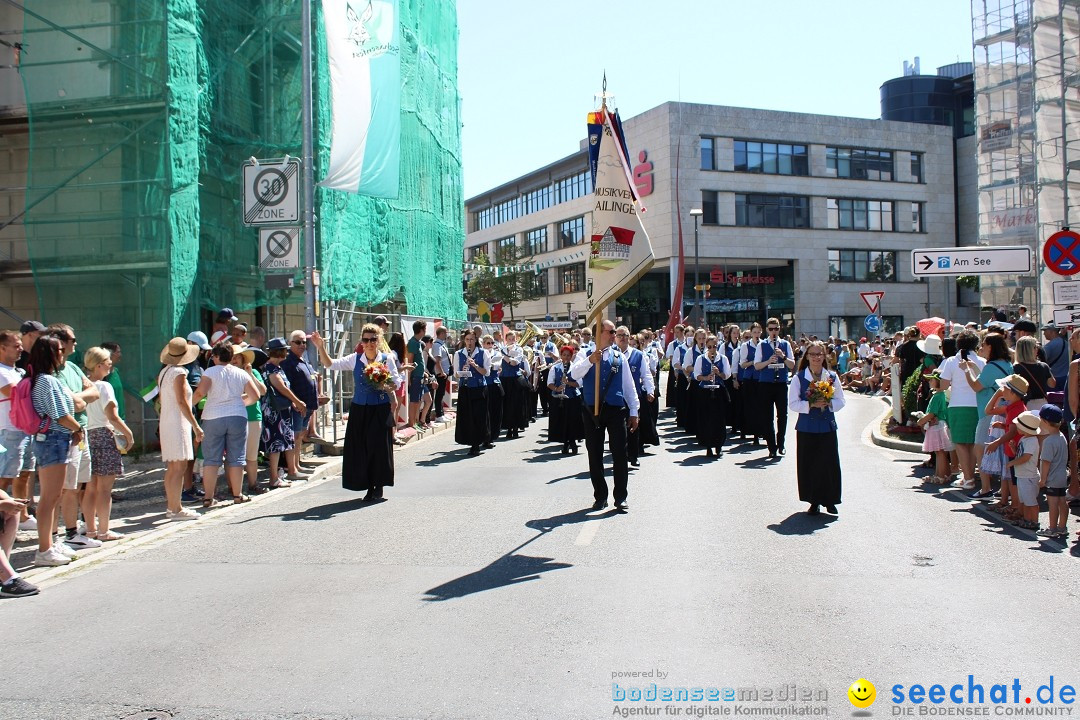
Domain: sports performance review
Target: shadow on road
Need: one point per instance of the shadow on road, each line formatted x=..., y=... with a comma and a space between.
x=802, y=524
x=584, y=475
x=319, y=512
x=511, y=568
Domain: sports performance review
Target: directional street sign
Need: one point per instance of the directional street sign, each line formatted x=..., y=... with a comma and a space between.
x=1062, y=252
x=979, y=260
x=872, y=300
x=872, y=323
x=271, y=191
x=279, y=248
x=1066, y=317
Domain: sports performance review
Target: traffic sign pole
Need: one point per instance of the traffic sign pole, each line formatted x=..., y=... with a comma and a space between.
x=307, y=165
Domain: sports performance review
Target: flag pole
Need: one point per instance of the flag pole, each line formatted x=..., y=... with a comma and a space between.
x=599, y=365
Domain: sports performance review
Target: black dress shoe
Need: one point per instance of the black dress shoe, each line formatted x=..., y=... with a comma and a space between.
x=708, y=452
x=565, y=450
x=831, y=509
x=781, y=450
x=622, y=506
x=489, y=446
x=635, y=462
x=813, y=510
x=599, y=505
x=772, y=454
x=474, y=451
x=574, y=449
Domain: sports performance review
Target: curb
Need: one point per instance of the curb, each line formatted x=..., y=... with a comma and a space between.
x=888, y=442
x=168, y=532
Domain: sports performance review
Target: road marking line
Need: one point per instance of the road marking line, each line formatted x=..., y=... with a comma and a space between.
x=587, y=533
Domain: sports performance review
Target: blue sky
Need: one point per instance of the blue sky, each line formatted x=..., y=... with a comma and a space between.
x=528, y=71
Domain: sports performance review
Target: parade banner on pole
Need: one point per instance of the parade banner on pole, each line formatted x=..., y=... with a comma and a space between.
x=365, y=86
x=620, y=251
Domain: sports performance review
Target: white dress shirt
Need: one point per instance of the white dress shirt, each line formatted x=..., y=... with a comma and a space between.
x=580, y=369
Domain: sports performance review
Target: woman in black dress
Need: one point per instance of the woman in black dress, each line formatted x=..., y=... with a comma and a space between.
x=818, y=458
x=710, y=372
x=565, y=421
x=470, y=366
x=368, y=461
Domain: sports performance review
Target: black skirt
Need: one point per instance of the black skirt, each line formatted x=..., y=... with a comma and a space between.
x=368, y=460
x=472, y=416
x=819, y=468
x=513, y=405
x=681, y=398
x=646, y=431
x=712, y=412
x=495, y=394
x=691, y=407
x=565, y=422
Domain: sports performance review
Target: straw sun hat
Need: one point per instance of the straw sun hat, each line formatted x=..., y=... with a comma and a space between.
x=179, y=352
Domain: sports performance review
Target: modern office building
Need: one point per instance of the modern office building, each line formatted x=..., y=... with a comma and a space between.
x=1027, y=99
x=799, y=214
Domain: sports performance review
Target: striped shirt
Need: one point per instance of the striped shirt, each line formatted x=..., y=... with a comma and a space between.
x=50, y=400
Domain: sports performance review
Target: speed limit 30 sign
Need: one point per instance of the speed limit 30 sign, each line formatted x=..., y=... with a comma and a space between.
x=271, y=191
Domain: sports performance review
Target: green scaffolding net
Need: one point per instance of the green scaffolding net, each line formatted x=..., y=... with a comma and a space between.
x=141, y=114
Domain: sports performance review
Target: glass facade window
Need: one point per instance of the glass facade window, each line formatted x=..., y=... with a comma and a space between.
x=504, y=243
x=917, y=217
x=771, y=158
x=540, y=283
x=708, y=154
x=572, y=278
x=536, y=241
x=571, y=232
x=779, y=211
x=862, y=265
x=848, y=214
x=710, y=214
x=859, y=163
x=916, y=167
x=560, y=191
x=475, y=252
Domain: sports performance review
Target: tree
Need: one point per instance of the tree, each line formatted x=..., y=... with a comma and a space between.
x=509, y=288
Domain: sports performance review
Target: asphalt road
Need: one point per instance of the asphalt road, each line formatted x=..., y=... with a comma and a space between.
x=482, y=589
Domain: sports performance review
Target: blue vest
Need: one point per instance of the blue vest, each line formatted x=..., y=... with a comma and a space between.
x=817, y=420
x=612, y=363
x=634, y=361
x=365, y=393
x=571, y=391
x=719, y=367
x=507, y=370
x=749, y=373
x=476, y=380
x=729, y=352
x=765, y=352
x=694, y=354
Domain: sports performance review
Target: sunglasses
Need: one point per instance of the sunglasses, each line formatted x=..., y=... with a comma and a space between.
x=817, y=354
x=621, y=335
x=368, y=340
x=774, y=329
x=299, y=342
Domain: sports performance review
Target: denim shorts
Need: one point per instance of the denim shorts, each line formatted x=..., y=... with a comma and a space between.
x=16, y=445
x=417, y=388
x=53, y=450
x=299, y=421
x=225, y=437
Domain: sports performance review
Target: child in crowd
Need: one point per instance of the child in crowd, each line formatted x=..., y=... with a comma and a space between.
x=1025, y=467
x=1012, y=389
x=1054, y=470
x=936, y=439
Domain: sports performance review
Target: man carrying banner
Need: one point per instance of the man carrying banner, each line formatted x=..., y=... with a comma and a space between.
x=617, y=397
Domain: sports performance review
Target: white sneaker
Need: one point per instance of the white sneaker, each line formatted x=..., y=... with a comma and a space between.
x=64, y=549
x=969, y=485
x=183, y=514
x=50, y=558
x=80, y=541
x=441, y=419
x=28, y=524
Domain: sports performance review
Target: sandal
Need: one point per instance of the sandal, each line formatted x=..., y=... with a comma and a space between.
x=237, y=499
x=278, y=484
x=209, y=503
x=108, y=536
x=256, y=490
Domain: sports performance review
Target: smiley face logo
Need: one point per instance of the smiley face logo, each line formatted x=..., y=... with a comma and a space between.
x=862, y=693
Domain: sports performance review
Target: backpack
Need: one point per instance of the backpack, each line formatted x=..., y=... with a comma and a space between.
x=22, y=413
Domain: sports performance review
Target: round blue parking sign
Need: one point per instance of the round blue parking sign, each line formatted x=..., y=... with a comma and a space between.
x=872, y=323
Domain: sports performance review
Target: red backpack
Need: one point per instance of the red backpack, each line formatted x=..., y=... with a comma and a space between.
x=22, y=413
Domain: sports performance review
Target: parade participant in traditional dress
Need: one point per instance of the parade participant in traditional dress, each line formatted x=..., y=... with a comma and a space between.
x=682, y=382
x=652, y=354
x=816, y=394
x=669, y=353
x=550, y=356
x=471, y=367
x=514, y=391
x=618, y=399
x=646, y=393
x=495, y=390
x=693, y=389
x=711, y=370
x=368, y=462
x=748, y=382
x=565, y=420
x=730, y=347
x=773, y=362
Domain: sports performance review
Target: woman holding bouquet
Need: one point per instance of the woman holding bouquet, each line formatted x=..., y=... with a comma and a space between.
x=368, y=462
x=816, y=394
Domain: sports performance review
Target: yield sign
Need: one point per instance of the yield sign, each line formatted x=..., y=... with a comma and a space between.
x=872, y=300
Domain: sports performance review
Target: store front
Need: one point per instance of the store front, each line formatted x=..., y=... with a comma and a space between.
x=744, y=296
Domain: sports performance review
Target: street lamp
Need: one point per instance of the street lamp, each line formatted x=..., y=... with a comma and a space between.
x=699, y=302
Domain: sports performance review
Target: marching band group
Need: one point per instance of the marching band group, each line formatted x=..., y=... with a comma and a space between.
x=608, y=387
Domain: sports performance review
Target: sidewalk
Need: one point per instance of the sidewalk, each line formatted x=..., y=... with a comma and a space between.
x=138, y=511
